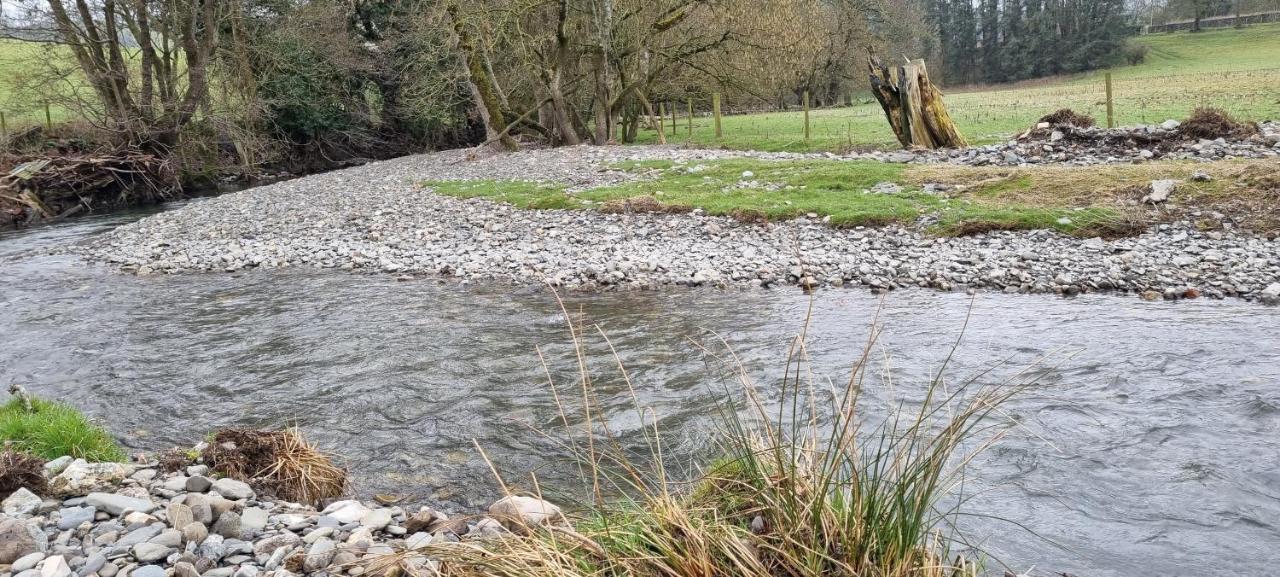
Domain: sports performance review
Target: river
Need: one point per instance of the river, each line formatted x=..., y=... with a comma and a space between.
x=1150, y=444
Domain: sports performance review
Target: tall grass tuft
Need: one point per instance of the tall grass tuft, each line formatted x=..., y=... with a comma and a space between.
x=806, y=483
x=52, y=429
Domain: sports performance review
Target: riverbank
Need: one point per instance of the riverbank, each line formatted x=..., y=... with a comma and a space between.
x=380, y=218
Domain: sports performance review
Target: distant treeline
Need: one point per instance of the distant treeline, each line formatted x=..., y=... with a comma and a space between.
x=991, y=41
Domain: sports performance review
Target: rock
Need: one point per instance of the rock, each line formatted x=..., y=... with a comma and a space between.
x=169, y=538
x=417, y=540
x=271, y=544
x=1271, y=294
x=194, y=532
x=213, y=548
x=201, y=511
x=886, y=188
x=18, y=539
x=94, y=563
x=55, y=566
x=81, y=477
x=116, y=504
x=197, y=484
x=52, y=468
x=1160, y=191
x=27, y=562
x=346, y=511
x=184, y=569
x=20, y=502
x=319, y=555
x=517, y=510
x=1144, y=153
x=1201, y=176
x=1170, y=124
x=150, y=552
x=179, y=515
x=246, y=571
x=376, y=520
x=227, y=525
x=253, y=520
x=140, y=535
x=232, y=489
x=148, y=571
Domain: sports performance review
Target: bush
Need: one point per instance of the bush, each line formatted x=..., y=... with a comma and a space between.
x=280, y=463
x=1066, y=116
x=51, y=430
x=1135, y=54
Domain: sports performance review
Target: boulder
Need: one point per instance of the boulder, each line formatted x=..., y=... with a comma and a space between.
x=1271, y=294
x=19, y=539
x=319, y=555
x=20, y=502
x=82, y=477
x=517, y=510
x=346, y=511
x=1160, y=190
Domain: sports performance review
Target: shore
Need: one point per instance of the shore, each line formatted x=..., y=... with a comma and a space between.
x=379, y=218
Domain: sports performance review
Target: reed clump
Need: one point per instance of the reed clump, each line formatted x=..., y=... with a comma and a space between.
x=807, y=483
x=281, y=463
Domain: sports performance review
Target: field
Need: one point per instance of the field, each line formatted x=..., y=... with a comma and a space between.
x=1083, y=201
x=20, y=60
x=1237, y=70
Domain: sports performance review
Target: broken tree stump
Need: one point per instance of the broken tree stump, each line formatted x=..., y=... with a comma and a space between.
x=913, y=105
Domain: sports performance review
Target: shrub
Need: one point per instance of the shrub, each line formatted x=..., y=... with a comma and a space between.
x=1067, y=116
x=1136, y=53
x=1210, y=123
x=51, y=430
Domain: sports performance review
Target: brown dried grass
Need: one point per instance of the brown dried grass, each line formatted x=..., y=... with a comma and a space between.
x=281, y=463
x=639, y=204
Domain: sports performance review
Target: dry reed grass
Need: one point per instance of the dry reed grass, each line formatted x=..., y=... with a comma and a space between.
x=282, y=463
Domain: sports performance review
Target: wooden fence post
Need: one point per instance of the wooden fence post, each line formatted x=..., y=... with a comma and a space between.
x=806, y=117
x=1111, y=122
x=4, y=127
x=674, y=128
x=715, y=110
x=690, y=104
x=48, y=118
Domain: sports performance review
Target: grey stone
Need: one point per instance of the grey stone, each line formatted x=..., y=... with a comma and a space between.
x=55, y=566
x=319, y=555
x=213, y=548
x=140, y=535
x=116, y=504
x=195, y=533
x=184, y=569
x=227, y=525
x=515, y=510
x=148, y=571
x=232, y=489
x=179, y=515
x=20, y=502
x=81, y=477
x=168, y=538
x=72, y=517
x=271, y=544
x=56, y=466
x=1160, y=190
x=376, y=519
x=198, y=484
x=27, y=562
x=253, y=519
x=201, y=512
x=92, y=565
x=150, y=552
x=18, y=539
x=246, y=571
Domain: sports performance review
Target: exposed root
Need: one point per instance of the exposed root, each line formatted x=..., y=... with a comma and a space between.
x=1211, y=123
x=18, y=470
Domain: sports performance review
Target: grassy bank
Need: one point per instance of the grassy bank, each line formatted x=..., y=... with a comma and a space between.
x=1237, y=70
x=51, y=429
x=1084, y=201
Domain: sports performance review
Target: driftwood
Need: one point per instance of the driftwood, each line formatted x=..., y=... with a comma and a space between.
x=52, y=187
x=913, y=105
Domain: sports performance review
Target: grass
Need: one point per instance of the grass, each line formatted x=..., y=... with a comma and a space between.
x=54, y=429
x=19, y=62
x=808, y=482
x=1236, y=70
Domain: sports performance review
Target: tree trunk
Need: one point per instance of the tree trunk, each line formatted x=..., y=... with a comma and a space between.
x=913, y=105
x=483, y=90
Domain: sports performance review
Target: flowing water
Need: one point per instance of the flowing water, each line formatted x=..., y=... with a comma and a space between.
x=1150, y=445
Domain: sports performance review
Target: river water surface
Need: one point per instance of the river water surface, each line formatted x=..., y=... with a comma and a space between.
x=1149, y=446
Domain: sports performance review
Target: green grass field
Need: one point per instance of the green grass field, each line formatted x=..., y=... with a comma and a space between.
x=1237, y=70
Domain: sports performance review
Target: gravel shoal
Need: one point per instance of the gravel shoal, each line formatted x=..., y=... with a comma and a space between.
x=377, y=218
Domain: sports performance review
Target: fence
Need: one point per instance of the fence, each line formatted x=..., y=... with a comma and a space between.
x=1215, y=22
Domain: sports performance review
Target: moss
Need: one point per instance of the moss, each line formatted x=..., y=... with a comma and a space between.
x=54, y=429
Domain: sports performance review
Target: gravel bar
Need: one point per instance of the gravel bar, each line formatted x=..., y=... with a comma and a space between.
x=378, y=218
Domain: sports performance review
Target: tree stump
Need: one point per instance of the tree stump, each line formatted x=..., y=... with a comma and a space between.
x=913, y=105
